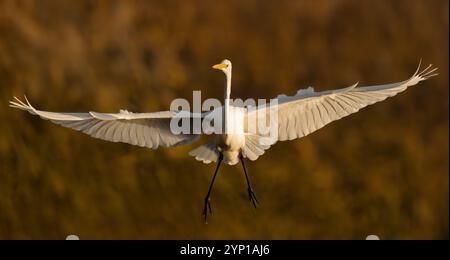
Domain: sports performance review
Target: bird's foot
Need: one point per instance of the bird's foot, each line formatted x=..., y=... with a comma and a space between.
x=252, y=197
x=206, y=208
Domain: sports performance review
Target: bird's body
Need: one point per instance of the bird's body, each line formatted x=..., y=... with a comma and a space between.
x=231, y=142
x=297, y=116
x=231, y=145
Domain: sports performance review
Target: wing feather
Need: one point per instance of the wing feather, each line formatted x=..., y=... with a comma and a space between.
x=308, y=111
x=143, y=129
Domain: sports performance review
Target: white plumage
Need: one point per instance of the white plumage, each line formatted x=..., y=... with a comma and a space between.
x=298, y=116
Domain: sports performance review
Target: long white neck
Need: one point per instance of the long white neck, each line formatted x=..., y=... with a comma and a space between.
x=227, y=95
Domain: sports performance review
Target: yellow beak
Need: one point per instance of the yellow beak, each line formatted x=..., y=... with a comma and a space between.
x=220, y=66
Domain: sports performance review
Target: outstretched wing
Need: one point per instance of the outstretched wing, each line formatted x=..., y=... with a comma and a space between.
x=308, y=111
x=143, y=129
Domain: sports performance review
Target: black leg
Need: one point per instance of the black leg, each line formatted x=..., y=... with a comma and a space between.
x=251, y=194
x=207, y=205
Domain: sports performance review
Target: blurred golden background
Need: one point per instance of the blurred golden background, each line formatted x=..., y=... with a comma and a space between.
x=382, y=171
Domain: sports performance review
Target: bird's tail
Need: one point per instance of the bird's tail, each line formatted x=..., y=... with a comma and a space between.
x=206, y=153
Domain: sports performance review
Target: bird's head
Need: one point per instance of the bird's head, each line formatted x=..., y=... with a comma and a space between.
x=224, y=66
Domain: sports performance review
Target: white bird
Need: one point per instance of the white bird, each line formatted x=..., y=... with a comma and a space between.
x=298, y=116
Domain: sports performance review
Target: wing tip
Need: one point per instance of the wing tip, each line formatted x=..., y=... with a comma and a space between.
x=426, y=73
x=19, y=104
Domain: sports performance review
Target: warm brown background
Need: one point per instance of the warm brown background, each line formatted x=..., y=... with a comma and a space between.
x=383, y=171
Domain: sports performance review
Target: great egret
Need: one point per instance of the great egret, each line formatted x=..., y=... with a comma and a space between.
x=298, y=116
